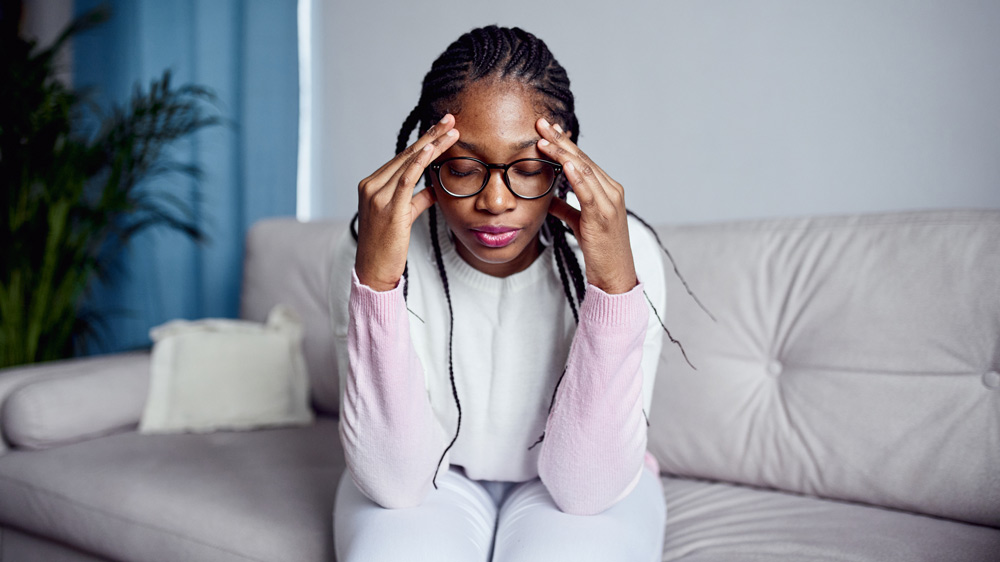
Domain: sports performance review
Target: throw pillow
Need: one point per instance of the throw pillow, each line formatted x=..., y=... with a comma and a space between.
x=218, y=374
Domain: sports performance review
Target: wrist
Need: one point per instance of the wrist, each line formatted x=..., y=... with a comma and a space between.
x=373, y=281
x=616, y=287
x=379, y=286
x=615, y=284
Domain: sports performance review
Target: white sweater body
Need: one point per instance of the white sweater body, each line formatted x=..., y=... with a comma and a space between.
x=510, y=343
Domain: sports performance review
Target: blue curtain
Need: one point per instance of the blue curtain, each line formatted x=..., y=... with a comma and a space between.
x=246, y=52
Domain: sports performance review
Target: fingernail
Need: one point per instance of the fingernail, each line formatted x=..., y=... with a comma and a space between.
x=444, y=119
x=570, y=167
x=427, y=147
x=543, y=142
x=545, y=122
x=452, y=132
x=557, y=127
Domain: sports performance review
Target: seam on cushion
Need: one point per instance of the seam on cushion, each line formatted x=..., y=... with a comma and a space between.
x=121, y=518
x=4, y=527
x=79, y=438
x=804, y=365
x=852, y=221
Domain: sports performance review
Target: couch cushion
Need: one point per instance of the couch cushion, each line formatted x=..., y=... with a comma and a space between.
x=711, y=522
x=260, y=495
x=288, y=262
x=69, y=401
x=851, y=359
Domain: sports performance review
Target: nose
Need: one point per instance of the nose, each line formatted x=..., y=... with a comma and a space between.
x=495, y=198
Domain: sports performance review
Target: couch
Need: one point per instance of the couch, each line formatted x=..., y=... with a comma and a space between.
x=845, y=406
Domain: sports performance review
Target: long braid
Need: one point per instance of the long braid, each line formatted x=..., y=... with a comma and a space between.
x=576, y=272
x=555, y=225
x=451, y=332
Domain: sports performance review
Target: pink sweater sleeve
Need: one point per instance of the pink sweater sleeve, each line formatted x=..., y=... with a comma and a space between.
x=392, y=440
x=595, y=437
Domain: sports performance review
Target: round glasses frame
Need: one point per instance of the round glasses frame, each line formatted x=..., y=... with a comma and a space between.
x=556, y=168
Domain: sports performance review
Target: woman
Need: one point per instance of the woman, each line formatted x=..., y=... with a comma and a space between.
x=495, y=373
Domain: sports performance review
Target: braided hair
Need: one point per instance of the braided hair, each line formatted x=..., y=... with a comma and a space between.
x=501, y=53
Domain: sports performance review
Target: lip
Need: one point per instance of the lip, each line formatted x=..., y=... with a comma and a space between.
x=495, y=236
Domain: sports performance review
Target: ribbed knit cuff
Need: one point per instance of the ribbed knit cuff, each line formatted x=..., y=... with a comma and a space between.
x=624, y=309
x=382, y=305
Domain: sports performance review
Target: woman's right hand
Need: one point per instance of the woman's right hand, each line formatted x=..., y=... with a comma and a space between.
x=387, y=207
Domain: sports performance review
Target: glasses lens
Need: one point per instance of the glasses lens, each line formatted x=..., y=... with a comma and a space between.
x=462, y=176
x=531, y=178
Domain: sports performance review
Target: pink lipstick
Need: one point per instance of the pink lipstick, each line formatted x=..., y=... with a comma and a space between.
x=495, y=236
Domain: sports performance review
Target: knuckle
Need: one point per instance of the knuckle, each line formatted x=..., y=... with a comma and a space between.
x=368, y=187
x=587, y=170
x=408, y=151
x=380, y=200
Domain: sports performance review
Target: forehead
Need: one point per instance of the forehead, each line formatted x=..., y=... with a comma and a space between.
x=496, y=115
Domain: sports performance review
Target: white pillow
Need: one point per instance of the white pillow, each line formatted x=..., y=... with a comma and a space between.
x=218, y=374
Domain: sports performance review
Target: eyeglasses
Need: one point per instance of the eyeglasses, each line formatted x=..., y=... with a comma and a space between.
x=527, y=178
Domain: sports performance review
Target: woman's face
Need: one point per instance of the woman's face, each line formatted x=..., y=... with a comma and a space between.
x=497, y=233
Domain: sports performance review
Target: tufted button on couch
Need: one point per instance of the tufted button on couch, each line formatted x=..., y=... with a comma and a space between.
x=845, y=406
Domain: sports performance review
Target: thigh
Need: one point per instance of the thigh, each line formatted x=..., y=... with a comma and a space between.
x=454, y=523
x=532, y=529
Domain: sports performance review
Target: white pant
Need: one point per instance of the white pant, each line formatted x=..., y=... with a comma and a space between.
x=468, y=520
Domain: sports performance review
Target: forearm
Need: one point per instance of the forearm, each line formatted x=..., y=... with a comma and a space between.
x=391, y=438
x=595, y=436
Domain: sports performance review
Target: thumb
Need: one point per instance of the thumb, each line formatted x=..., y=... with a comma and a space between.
x=421, y=201
x=566, y=213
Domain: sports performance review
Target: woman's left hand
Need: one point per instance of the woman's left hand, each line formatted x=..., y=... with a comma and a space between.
x=600, y=225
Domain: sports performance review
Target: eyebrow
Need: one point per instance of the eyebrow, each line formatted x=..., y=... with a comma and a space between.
x=516, y=146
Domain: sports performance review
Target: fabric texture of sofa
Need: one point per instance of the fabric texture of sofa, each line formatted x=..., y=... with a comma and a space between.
x=845, y=406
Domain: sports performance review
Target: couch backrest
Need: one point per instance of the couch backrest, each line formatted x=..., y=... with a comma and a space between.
x=288, y=262
x=854, y=358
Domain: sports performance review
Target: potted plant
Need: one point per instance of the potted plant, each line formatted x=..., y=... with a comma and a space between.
x=76, y=195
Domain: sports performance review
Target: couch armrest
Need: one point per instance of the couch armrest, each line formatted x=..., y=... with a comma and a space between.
x=62, y=402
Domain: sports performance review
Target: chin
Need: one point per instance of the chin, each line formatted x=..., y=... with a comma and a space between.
x=499, y=262
x=495, y=256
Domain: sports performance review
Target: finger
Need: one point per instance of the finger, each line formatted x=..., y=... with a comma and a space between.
x=566, y=213
x=407, y=176
x=566, y=150
x=405, y=180
x=437, y=131
x=442, y=143
x=584, y=182
x=561, y=142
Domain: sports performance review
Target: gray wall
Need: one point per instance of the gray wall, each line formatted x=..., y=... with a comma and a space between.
x=704, y=110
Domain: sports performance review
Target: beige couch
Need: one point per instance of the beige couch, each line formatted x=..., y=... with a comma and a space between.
x=845, y=406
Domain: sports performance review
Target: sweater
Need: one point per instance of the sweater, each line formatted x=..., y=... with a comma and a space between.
x=515, y=340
